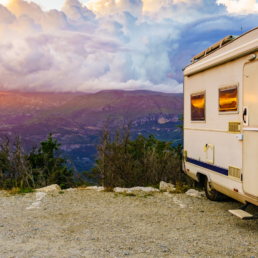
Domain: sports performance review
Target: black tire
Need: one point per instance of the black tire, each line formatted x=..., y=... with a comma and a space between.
x=212, y=194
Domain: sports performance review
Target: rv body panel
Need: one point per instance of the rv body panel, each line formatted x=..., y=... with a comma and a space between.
x=250, y=129
x=226, y=156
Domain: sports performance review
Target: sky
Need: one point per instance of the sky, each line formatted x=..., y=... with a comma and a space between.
x=68, y=45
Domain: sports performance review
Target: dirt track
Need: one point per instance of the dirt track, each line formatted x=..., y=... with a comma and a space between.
x=86, y=223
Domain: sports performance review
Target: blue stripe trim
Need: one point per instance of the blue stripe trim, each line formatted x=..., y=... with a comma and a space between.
x=214, y=168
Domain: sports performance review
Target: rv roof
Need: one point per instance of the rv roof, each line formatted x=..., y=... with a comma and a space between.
x=228, y=49
x=217, y=45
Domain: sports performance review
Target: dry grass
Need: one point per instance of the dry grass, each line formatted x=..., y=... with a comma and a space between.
x=147, y=195
x=128, y=194
x=109, y=189
x=17, y=190
x=14, y=191
x=124, y=195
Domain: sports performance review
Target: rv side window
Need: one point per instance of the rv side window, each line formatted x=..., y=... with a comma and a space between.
x=198, y=106
x=228, y=99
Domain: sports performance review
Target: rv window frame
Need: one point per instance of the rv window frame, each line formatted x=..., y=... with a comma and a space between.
x=198, y=93
x=226, y=87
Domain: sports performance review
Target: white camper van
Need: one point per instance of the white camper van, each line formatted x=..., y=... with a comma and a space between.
x=221, y=120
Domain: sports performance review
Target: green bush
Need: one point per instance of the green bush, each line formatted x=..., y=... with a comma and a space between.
x=25, y=190
x=38, y=168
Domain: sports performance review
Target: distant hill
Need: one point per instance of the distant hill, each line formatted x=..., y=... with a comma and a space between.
x=76, y=119
x=19, y=107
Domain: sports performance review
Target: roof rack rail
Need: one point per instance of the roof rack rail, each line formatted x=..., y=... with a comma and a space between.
x=213, y=47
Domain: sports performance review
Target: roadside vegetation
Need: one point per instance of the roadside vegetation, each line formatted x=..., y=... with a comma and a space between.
x=120, y=162
x=123, y=162
x=23, y=171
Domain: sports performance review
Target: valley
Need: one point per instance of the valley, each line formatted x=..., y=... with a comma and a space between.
x=76, y=119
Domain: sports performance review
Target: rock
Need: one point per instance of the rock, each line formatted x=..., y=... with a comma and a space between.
x=49, y=188
x=71, y=189
x=168, y=194
x=40, y=196
x=163, y=186
x=195, y=193
x=97, y=188
x=121, y=190
x=135, y=189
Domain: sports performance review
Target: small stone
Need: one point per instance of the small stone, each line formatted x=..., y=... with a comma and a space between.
x=195, y=193
x=163, y=186
x=1, y=225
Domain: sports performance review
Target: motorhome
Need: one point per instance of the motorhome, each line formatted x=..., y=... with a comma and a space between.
x=221, y=120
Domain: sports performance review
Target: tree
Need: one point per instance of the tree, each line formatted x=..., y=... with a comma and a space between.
x=49, y=166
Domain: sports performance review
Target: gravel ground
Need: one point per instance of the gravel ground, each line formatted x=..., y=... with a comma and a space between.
x=85, y=223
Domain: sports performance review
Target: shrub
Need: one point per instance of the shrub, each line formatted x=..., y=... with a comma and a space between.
x=49, y=166
x=123, y=162
x=37, y=168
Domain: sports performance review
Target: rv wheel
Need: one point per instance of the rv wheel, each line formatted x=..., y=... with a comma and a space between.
x=212, y=194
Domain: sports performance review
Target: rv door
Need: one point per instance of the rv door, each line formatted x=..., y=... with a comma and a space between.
x=250, y=129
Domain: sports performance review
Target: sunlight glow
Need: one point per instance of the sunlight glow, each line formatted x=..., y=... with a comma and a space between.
x=198, y=107
x=228, y=100
x=198, y=102
x=4, y=2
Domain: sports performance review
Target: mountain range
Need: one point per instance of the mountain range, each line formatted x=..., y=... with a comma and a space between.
x=76, y=119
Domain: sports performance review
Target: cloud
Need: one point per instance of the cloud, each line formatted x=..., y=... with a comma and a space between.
x=183, y=11
x=77, y=12
x=54, y=20
x=240, y=6
x=19, y=7
x=25, y=25
x=103, y=7
x=111, y=44
x=6, y=17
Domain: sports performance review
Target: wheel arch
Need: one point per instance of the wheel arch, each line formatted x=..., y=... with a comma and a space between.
x=200, y=176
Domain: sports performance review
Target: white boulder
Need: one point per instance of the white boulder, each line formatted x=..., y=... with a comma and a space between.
x=163, y=186
x=96, y=188
x=120, y=190
x=135, y=189
x=71, y=189
x=195, y=193
x=50, y=188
